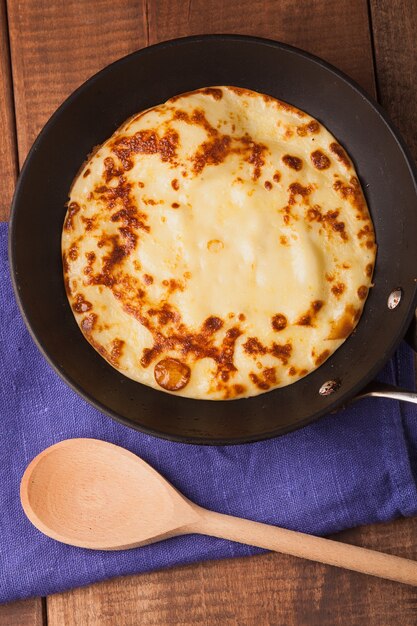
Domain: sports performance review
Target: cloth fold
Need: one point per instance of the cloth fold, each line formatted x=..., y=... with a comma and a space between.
x=354, y=467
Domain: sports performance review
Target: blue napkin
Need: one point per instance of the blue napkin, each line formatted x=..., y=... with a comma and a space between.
x=354, y=467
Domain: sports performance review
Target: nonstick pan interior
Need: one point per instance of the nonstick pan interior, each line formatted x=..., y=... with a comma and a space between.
x=147, y=78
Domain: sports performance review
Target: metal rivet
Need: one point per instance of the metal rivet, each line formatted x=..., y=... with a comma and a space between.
x=394, y=298
x=329, y=387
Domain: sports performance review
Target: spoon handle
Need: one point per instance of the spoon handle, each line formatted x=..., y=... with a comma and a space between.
x=307, y=546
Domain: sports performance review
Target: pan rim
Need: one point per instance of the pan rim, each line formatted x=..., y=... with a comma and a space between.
x=343, y=398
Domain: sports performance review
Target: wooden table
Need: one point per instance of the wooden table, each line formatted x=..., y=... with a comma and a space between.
x=46, y=50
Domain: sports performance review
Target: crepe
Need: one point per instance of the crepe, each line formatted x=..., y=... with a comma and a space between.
x=218, y=246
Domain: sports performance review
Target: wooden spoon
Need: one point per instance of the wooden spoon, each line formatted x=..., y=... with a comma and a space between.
x=93, y=494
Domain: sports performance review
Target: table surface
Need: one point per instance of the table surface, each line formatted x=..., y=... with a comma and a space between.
x=46, y=50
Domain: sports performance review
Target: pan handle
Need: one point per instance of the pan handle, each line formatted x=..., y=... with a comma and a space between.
x=381, y=390
x=411, y=335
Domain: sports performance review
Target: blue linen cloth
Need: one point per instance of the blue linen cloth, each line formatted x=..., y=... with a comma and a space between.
x=354, y=467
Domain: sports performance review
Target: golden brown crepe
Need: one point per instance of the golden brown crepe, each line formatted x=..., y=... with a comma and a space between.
x=218, y=245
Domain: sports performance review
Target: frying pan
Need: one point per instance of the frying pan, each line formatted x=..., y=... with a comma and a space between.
x=151, y=76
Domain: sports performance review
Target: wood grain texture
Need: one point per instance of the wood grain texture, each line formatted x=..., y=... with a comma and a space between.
x=23, y=613
x=56, y=46
x=395, y=30
x=7, y=136
x=28, y=611
x=336, y=31
x=269, y=589
x=47, y=64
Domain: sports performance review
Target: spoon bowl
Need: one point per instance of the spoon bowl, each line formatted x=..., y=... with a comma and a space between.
x=93, y=494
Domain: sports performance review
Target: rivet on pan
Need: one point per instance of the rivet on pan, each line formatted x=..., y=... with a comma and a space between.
x=394, y=298
x=329, y=387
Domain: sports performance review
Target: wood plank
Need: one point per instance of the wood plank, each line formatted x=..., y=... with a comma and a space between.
x=395, y=29
x=8, y=158
x=49, y=62
x=336, y=31
x=56, y=46
x=270, y=589
x=394, y=32
x=22, y=613
x=28, y=611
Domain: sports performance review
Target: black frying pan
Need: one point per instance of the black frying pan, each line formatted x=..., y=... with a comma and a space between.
x=147, y=78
